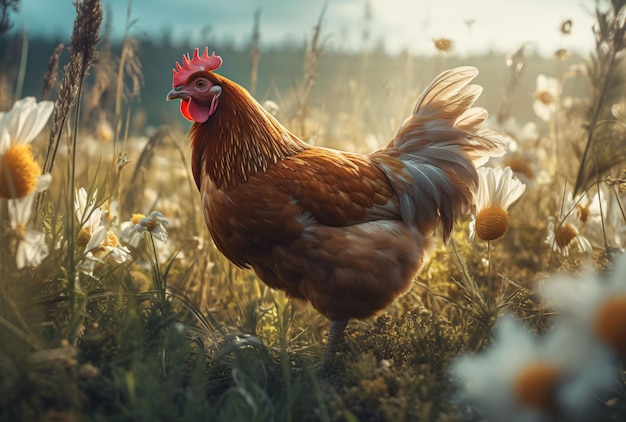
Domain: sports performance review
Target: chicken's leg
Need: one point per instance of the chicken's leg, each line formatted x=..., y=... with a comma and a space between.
x=335, y=332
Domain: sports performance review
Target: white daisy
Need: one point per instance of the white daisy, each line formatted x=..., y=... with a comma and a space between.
x=593, y=304
x=132, y=231
x=547, y=95
x=607, y=228
x=564, y=234
x=566, y=230
x=497, y=190
x=98, y=241
x=19, y=172
x=31, y=248
x=522, y=377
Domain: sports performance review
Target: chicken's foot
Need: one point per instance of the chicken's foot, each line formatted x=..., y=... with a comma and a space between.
x=335, y=332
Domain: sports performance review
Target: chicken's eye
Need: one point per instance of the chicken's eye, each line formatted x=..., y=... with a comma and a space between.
x=201, y=84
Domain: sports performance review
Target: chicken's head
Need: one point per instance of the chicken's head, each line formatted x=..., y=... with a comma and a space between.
x=195, y=85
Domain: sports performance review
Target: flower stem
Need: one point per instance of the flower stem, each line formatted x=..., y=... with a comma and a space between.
x=489, y=276
x=159, y=281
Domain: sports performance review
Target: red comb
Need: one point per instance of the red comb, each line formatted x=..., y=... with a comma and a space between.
x=196, y=64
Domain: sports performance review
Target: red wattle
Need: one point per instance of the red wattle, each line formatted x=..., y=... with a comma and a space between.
x=199, y=112
x=184, y=110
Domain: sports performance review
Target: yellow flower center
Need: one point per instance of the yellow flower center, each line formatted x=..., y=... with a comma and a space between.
x=18, y=172
x=83, y=237
x=546, y=97
x=535, y=386
x=564, y=234
x=610, y=323
x=443, y=44
x=150, y=225
x=137, y=218
x=561, y=54
x=491, y=223
x=110, y=239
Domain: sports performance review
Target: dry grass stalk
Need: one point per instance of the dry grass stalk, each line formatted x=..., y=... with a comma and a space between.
x=311, y=62
x=516, y=63
x=104, y=74
x=255, y=52
x=602, y=147
x=50, y=78
x=82, y=51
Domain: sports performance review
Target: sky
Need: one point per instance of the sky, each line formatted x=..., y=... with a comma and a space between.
x=475, y=26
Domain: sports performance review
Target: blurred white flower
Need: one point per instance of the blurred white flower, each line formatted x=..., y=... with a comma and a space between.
x=31, y=248
x=523, y=377
x=593, y=304
x=526, y=154
x=20, y=174
x=271, y=107
x=547, y=95
x=104, y=131
x=133, y=231
x=497, y=190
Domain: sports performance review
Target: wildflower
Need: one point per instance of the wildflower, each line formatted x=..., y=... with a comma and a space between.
x=565, y=234
x=99, y=243
x=444, y=45
x=593, y=304
x=581, y=213
x=104, y=131
x=561, y=54
x=31, y=248
x=566, y=27
x=526, y=155
x=609, y=229
x=523, y=377
x=588, y=210
x=497, y=190
x=19, y=172
x=547, y=94
x=271, y=107
x=155, y=224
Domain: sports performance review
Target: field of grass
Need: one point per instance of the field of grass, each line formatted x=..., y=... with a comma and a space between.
x=116, y=305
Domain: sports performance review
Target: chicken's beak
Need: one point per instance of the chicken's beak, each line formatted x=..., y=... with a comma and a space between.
x=177, y=93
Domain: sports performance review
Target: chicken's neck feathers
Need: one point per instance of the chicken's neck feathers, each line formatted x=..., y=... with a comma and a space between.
x=239, y=140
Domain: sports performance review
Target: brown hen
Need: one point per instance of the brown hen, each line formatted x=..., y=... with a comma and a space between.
x=343, y=231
